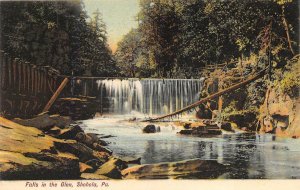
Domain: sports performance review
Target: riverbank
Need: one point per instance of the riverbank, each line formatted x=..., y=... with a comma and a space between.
x=55, y=147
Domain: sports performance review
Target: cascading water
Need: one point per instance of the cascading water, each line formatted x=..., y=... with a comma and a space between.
x=148, y=96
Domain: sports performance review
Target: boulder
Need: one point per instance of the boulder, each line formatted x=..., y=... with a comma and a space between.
x=187, y=169
x=187, y=125
x=100, y=148
x=202, y=131
x=61, y=121
x=70, y=132
x=45, y=122
x=80, y=150
x=227, y=127
x=158, y=129
x=94, y=163
x=85, y=168
x=149, y=129
x=42, y=122
x=89, y=139
x=186, y=132
x=37, y=166
x=112, y=168
x=54, y=131
x=27, y=153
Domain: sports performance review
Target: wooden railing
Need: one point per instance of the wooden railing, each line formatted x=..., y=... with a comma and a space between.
x=25, y=88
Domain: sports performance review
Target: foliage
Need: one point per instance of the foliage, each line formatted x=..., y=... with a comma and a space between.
x=56, y=33
x=185, y=36
x=288, y=82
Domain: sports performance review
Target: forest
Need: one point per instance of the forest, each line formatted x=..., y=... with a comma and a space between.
x=178, y=38
x=174, y=38
x=56, y=34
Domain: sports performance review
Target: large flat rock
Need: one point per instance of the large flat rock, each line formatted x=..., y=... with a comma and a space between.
x=187, y=169
x=27, y=153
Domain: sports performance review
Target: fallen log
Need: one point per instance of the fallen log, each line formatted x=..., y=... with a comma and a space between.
x=213, y=96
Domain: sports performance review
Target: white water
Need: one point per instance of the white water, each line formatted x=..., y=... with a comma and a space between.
x=148, y=96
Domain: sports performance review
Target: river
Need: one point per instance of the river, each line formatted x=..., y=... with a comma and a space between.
x=250, y=156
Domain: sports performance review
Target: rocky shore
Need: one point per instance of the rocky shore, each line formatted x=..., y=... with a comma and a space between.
x=55, y=147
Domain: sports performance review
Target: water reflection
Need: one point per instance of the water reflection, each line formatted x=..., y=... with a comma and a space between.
x=249, y=155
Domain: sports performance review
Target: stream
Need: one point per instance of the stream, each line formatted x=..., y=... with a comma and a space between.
x=250, y=156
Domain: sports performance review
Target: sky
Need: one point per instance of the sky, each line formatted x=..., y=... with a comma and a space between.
x=118, y=15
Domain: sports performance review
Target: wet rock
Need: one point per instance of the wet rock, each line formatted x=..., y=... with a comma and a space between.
x=202, y=131
x=158, y=129
x=70, y=132
x=149, y=129
x=100, y=148
x=187, y=125
x=227, y=127
x=106, y=136
x=186, y=132
x=89, y=139
x=188, y=169
x=112, y=168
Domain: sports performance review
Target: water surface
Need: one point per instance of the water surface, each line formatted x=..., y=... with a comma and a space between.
x=251, y=156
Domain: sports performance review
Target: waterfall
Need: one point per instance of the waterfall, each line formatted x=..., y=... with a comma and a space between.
x=148, y=96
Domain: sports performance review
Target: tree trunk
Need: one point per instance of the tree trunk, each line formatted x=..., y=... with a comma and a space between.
x=286, y=27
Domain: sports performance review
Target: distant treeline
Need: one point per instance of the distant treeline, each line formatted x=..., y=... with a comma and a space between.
x=176, y=38
x=58, y=34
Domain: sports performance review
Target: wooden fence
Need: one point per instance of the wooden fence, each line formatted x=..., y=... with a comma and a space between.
x=25, y=88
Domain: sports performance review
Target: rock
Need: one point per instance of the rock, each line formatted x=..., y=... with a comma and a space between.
x=187, y=125
x=187, y=169
x=89, y=139
x=197, y=124
x=247, y=119
x=45, y=122
x=99, y=148
x=80, y=150
x=106, y=136
x=61, y=121
x=112, y=168
x=54, y=131
x=84, y=168
x=93, y=176
x=27, y=153
x=17, y=166
x=149, y=129
x=42, y=122
x=201, y=131
x=70, y=132
x=94, y=163
x=132, y=160
x=186, y=132
x=158, y=129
